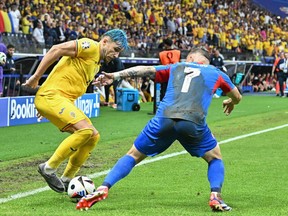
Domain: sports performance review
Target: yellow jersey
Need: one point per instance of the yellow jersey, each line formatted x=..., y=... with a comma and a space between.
x=71, y=75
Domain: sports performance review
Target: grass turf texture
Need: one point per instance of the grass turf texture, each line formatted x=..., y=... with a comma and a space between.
x=256, y=166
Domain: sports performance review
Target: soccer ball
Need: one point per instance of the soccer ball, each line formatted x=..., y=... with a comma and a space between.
x=2, y=58
x=79, y=187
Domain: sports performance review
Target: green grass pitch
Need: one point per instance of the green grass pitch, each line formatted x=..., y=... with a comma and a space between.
x=256, y=166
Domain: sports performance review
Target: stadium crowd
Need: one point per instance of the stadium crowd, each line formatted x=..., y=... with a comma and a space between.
x=232, y=26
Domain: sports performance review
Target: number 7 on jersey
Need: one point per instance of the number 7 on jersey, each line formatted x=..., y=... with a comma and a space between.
x=190, y=73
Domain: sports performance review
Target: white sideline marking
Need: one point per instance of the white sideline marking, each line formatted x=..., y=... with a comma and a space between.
x=95, y=175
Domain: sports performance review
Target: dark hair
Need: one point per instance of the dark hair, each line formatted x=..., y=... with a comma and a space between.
x=168, y=42
x=202, y=51
x=10, y=46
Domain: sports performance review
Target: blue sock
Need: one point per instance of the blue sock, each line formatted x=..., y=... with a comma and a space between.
x=216, y=172
x=121, y=169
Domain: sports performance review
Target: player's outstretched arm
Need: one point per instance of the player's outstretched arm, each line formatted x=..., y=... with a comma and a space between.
x=137, y=71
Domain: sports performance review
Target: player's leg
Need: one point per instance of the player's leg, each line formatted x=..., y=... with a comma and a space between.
x=200, y=142
x=120, y=170
x=123, y=167
x=216, y=168
x=78, y=158
x=216, y=174
x=155, y=138
x=67, y=117
x=65, y=149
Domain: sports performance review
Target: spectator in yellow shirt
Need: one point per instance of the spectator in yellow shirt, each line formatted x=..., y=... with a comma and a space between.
x=27, y=25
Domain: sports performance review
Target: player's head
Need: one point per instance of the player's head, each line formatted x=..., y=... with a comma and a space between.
x=199, y=54
x=119, y=37
x=112, y=43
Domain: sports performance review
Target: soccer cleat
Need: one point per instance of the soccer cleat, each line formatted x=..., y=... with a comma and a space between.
x=88, y=201
x=217, y=204
x=66, y=185
x=52, y=180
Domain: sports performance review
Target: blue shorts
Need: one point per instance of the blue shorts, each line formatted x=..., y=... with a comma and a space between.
x=160, y=133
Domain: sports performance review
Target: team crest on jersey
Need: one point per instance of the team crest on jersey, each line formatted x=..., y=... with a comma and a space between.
x=85, y=45
x=73, y=114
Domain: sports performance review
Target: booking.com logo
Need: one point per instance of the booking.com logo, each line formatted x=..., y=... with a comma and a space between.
x=20, y=110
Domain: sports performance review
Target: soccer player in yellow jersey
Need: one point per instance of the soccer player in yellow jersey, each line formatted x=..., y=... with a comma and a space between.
x=54, y=100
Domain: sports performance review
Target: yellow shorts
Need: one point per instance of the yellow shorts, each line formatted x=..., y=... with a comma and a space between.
x=59, y=110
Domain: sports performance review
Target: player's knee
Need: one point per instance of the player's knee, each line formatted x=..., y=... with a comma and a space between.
x=137, y=155
x=214, y=153
x=94, y=140
x=85, y=133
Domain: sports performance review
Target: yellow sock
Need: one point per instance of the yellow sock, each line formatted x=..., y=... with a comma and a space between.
x=77, y=159
x=69, y=146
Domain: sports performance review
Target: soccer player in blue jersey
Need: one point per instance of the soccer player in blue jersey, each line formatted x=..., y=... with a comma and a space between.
x=181, y=116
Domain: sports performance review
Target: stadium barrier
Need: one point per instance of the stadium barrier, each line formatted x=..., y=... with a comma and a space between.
x=21, y=110
x=10, y=86
x=28, y=67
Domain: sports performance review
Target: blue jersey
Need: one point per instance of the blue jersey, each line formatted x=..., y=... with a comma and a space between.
x=190, y=90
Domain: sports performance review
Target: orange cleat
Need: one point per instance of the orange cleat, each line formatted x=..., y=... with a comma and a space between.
x=88, y=201
x=217, y=204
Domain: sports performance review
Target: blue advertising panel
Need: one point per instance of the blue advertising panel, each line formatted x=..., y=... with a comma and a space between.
x=22, y=111
x=278, y=7
x=4, y=112
x=89, y=104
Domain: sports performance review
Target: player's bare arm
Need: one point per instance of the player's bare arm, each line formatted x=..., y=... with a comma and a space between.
x=138, y=71
x=57, y=51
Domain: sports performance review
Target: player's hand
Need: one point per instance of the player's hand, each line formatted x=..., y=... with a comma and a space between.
x=98, y=82
x=104, y=79
x=39, y=116
x=228, y=106
x=32, y=82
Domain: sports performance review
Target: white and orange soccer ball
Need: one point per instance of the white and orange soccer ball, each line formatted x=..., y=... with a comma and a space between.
x=2, y=58
x=79, y=187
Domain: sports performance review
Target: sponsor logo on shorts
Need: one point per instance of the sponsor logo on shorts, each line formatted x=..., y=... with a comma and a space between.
x=62, y=110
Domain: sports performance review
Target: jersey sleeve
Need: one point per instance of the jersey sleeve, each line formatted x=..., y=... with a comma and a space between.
x=162, y=74
x=86, y=48
x=225, y=83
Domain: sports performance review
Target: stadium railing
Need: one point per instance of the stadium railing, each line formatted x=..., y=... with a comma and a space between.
x=27, y=64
